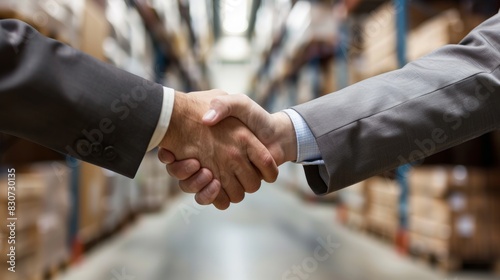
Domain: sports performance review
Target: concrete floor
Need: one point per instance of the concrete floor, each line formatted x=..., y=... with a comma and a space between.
x=271, y=235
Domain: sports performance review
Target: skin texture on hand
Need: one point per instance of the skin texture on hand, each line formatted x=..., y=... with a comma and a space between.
x=232, y=157
x=276, y=131
x=273, y=130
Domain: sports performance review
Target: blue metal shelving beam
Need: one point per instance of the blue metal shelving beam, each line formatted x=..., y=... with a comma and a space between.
x=74, y=165
x=401, y=7
x=341, y=56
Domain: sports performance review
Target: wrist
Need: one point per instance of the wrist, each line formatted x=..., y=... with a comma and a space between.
x=181, y=114
x=286, y=137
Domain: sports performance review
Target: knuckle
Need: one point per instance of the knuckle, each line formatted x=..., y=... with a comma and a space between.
x=242, y=136
x=253, y=187
x=267, y=160
x=176, y=172
x=184, y=186
x=238, y=197
x=201, y=200
x=234, y=154
x=190, y=186
x=202, y=178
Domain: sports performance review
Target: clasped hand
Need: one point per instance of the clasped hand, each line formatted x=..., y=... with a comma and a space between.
x=222, y=146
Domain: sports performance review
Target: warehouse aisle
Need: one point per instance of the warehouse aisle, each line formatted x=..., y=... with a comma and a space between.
x=272, y=235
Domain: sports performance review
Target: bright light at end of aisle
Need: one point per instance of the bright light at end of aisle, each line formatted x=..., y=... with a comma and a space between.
x=233, y=48
x=235, y=16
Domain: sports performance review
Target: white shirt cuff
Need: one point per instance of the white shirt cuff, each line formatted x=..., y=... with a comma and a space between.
x=164, y=120
x=307, y=148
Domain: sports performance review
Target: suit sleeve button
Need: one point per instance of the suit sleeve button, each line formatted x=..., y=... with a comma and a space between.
x=109, y=153
x=96, y=149
x=83, y=147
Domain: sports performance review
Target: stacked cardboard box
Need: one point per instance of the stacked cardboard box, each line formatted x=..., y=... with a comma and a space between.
x=154, y=182
x=91, y=202
x=29, y=190
x=378, y=50
x=454, y=214
x=94, y=31
x=53, y=222
x=122, y=200
x=356, y=200
x=382, y=216
x=56, y=18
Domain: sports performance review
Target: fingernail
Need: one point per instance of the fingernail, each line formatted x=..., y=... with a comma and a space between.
x=210, y=115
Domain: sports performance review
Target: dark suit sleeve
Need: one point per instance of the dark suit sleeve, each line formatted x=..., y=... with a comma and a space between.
x=60, y=98
x=434, y=103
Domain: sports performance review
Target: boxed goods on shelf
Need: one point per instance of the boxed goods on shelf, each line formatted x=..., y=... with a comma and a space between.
x=154, y=183
x=121, y=202
x=91, y=201
x=94, y=30
x=383, y=212
x=356, y=201
x=53, y=223
x=27, y=196
x=453, y=214
x=446, y=28
x=27, y=268
x=378, y=50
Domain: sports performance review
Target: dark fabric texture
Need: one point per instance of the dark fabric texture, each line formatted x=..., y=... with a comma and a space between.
x=65, y=100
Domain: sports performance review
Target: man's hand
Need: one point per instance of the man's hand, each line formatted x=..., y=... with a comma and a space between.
x=234, y=160
x=275, y=131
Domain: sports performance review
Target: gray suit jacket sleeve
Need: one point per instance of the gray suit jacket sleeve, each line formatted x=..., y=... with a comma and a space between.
x=434, y=103
x=65, y=100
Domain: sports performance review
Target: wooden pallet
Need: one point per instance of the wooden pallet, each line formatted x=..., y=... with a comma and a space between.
x=56, y=269
x=103, y=235
x=382, y=234
x=453, y=264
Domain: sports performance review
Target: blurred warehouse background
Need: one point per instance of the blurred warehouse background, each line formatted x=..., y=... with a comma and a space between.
x=439, y=219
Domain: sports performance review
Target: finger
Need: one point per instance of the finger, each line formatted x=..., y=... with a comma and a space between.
x=166, y=156
x=232, y=186
x=197, y=182
x=222, y=201
x=262, y=159
x=249, y=177
x=208, y=194
x=183, y=169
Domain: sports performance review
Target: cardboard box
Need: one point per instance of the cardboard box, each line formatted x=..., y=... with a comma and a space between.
x=439, y=181
x=379, y=53
x=27, y=243
x=95, y=29
x=453, y=213
x=27, y=196
x=91, y=204
x=383, y=192
x=27, y=268
x=356, y=197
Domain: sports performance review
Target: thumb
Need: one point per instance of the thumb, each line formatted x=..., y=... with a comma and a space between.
x=223, y=107
x=166, y=156
x=239, y=106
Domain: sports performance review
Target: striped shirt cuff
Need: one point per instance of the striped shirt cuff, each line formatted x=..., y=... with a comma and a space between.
x=307, y=148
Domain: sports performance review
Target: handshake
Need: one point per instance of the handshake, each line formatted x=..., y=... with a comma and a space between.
x=222, y=146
